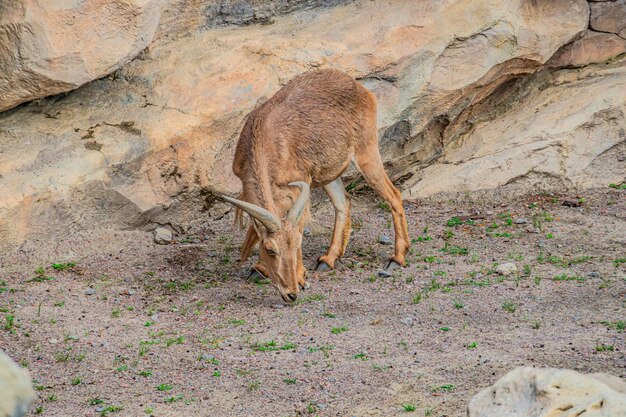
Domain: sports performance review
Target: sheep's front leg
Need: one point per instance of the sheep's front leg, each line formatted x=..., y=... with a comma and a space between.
x=301, y=271
x=341, y=233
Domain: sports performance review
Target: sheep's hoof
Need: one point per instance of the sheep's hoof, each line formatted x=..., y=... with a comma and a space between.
x=306, y=286
x=322, y=266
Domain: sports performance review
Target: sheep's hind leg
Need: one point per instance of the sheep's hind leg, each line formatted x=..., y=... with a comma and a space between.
x=369, y=163
x=341, y=232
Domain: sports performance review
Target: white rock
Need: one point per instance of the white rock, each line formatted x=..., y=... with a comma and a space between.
x=16, y=390
x=533, y=392
x=385, y=240
x=407, y=320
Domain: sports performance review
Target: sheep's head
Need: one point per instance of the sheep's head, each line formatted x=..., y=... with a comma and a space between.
x=280, y=242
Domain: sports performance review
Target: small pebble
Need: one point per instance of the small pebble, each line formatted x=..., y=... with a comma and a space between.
x=162, y=236
x=307, y=231
x=385, y=240
x=506, y=269
x=196, y=241
x=521, y=221
x=90, y=291
x=593, y=274
x=407, y=320
x=384, y=273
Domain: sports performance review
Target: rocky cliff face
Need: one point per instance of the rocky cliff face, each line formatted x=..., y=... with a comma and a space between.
x=48, y=48
x=472, y=95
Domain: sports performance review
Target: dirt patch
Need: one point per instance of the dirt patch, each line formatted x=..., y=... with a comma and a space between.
x=135, y=328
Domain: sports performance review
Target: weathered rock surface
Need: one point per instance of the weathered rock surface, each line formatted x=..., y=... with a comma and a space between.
x=591, y=48
x=458, y=109
x=51, y=47
x=16, y=390
x=609, y=16
x=534, y=392
x=182, y=17
x=48, y=48
x=554, y=130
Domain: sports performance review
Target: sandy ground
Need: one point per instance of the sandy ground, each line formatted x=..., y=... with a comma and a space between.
x=142, y=329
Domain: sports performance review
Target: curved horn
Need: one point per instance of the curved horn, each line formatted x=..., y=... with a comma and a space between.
x=271, y=222
x=298, y=207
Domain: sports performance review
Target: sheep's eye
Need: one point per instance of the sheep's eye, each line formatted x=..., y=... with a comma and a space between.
x=270, y=251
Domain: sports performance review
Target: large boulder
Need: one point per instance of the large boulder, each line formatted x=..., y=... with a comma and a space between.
x=16, y=389
x=152, y=144
x=535, y=392
x=49, y=47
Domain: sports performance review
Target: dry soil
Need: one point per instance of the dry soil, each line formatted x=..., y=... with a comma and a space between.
x=136, y=328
